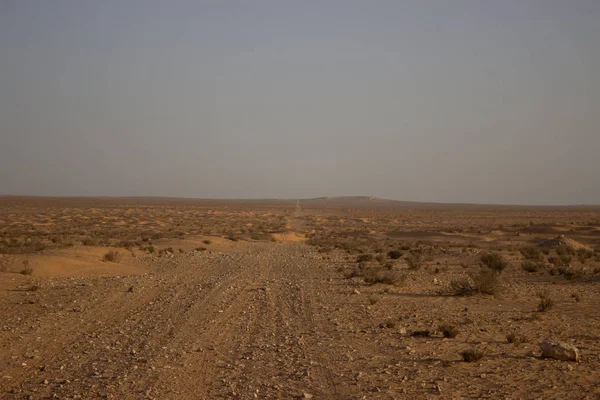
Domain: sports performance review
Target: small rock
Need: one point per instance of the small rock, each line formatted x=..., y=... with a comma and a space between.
x=308, y=396
x=560, y=351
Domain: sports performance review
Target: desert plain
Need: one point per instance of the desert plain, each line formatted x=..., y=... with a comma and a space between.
x=328, y=298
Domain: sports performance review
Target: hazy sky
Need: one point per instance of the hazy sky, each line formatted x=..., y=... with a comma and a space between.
x=492, y=101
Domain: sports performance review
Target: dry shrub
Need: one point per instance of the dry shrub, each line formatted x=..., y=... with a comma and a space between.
x=472, y=355
x=364, y=258
x=380, y=258
x=387, y=277
x=27, y=270
x=485, y=281
x=494, y=261
x=375, y=275
x=532, y=266
x=414, y=261
x=112, y=256
x=394, y=254
x=449, y=331
x=531, y=253
x=565, y=251
x=514, y=337
x=546, y=303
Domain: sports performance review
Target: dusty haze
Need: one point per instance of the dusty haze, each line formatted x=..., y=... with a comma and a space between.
x=462, y=101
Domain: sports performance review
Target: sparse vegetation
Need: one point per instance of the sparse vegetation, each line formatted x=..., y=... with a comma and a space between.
x=395, y=254
x=531, y=253
x=414, y=261
x=207, y=241
x=449, y=331
x=514, y=337
x=485, y=281
x=113, y=256
x=374, y=275
x=546, y=303
x=27, y=270
x=472, y=355
x=494, y=261
x=364, y=258
x=532, y=266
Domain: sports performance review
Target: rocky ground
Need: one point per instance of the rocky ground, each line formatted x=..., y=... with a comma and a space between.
x=278, y=320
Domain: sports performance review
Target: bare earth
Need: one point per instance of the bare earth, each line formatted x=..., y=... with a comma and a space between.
x=265, y=313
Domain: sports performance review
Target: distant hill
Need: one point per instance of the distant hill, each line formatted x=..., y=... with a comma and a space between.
x=342, y=202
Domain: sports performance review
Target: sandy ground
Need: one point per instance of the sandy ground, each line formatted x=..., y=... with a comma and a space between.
x=278, y=320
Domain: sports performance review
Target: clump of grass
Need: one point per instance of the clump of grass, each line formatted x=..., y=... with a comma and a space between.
x=387, y=277
x=565, y=251
x=513, y=337
x=27, y=270
x=568, y=272
x=375, y=275
x=583, y=255
x=207, y=241
x=414, y=261
x=566, y=259
x=472, y=355
x=546, y=303
x=494, y=261
x=34, y=288
x=364, y=258
x=394, y=254
x=380, y=258
x=387, y=324
x=531, y=253
x=485, y=281
x=112, y=256
x=532, y=266
x=449, y=331
x=88, y=241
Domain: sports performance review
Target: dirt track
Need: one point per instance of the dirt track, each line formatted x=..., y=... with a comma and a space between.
x=274, y=321
x=201, y=325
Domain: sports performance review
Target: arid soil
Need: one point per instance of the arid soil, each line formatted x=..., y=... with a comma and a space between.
x=242, y=300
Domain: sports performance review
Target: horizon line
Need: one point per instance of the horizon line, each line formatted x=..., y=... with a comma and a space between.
x=363, y=197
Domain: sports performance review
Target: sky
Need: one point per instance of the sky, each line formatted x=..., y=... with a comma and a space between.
x=478, y=101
